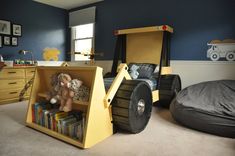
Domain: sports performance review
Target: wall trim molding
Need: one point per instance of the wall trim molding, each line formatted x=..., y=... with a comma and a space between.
x=202, y=62
x=192, y=72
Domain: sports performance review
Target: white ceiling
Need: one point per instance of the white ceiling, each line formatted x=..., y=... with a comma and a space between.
x=67, y=4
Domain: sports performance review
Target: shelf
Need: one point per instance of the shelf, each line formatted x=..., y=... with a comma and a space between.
x=55, y=134
x=83, y=103
x=97, y=123
x=42, y=95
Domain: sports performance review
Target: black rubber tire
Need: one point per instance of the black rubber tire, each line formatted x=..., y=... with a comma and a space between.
x=170, y=85
x=125, y=106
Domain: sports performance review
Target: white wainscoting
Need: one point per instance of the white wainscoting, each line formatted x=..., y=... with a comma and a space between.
x=105, y=64
x=49, y=63
x=192, y=72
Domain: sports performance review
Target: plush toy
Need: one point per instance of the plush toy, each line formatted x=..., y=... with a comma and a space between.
x=65, y=90
x=55, y=85
x=64, y=94
x=81, y=91
x=133, y=71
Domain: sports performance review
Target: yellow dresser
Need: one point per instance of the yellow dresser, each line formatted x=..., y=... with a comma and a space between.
x=12, y=81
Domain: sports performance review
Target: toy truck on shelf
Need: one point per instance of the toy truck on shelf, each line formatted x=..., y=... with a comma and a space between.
x=127, y=104
x=221, y=49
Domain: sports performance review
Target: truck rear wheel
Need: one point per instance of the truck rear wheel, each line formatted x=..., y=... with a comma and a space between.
x=230, y=56
x=132, y=106
x=170, y=85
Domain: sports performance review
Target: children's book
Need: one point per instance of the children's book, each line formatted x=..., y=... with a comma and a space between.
x=65, y=124
x=59, y=122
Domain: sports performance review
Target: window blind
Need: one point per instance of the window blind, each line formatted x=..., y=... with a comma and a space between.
x=83, y=16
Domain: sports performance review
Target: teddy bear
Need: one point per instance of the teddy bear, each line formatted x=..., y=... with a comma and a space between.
x=65, y=90
x=64, y=93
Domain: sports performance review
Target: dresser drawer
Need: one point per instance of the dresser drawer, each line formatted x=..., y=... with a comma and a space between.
x=29, y=72
x=12, y=83
x=8, y=94
x=12, y=73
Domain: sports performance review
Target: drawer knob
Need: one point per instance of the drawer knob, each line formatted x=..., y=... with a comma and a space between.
x=11, y=72
x=12, y=83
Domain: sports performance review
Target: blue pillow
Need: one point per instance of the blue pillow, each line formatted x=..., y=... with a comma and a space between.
x=145, y=69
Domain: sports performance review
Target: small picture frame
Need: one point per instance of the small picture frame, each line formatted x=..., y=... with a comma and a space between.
x=7, y=40
x=16, y=30
x=0, y=41
x=5, y=27
x=14, y=41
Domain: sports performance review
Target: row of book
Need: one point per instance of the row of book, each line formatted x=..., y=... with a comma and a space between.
x=70, y=124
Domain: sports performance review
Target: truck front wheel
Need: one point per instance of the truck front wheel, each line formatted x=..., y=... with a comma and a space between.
x=132, y=106
x=230, y=56
x=214, y=56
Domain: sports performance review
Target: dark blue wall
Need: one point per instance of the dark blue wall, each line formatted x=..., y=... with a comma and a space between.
x=42, y=26
x=195, y=23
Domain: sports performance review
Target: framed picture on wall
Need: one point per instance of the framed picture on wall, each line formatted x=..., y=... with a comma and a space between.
x=14, y=41
x=16, y=30
x=7, y=40
x=0, y=41
x=5, y=27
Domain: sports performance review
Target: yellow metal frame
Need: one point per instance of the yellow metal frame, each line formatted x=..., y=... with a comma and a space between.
x=143, y=45
x=122, y=73
x=145, y=29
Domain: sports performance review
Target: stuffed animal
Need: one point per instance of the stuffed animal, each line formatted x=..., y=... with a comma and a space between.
x=66, y=89
x=133, y=71
x=55, y=85
x=64, y=94
x=81, y=91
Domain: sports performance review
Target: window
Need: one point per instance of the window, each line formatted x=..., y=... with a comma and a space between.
x=82, y=41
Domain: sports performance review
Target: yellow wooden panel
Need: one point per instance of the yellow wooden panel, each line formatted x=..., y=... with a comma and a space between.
x=7, y=101
x=98, y=118
x=155, y=95
x=86, y=74
x=54, y=134
x=145, y=29
x=144, y=47
x=98, y=124
x=10, y=73
x=12, y=83
x=166, y=70
x=83, y=103
x=29, y=72
x=11, y=93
